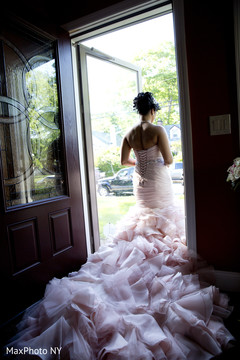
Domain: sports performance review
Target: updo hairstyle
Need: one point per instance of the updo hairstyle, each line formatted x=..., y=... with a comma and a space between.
x=145, y=102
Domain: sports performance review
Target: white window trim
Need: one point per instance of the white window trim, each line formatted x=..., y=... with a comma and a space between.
x=115, y=16
x=186, y=128
x=110, y=18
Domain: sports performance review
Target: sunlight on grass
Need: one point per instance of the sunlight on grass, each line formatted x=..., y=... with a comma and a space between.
x=111, y=209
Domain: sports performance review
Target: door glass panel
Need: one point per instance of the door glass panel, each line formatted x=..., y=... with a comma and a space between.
x=112, y=88
x=30, y=131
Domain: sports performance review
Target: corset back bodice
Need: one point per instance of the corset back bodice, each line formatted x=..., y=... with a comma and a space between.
x=152, y=181
x=146, y=158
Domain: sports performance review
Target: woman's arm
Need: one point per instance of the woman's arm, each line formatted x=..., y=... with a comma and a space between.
x=125, y=154
x=164, y=146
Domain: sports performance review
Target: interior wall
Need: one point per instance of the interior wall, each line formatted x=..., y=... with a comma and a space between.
x=212, y=85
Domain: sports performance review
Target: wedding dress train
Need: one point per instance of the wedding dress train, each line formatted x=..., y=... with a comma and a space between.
x=142, y=296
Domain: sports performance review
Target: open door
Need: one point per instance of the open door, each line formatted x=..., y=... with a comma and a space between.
x=108, y=86
x=42, y=225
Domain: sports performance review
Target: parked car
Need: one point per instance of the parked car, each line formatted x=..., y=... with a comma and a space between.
x=120, y=183
x=176, y=171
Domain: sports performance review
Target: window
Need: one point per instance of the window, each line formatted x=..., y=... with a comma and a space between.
x=30, y=124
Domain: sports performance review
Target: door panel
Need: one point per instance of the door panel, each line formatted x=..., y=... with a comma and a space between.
x=60, y=230
x=24, y=235
x=42, y=225
x=108, y=87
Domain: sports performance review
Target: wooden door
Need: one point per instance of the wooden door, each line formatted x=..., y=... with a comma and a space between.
x=42, y=225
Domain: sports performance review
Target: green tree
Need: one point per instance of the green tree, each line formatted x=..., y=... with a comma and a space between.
x=160, y=77
x=176, y=148
x=108, y=160
x=42, y=111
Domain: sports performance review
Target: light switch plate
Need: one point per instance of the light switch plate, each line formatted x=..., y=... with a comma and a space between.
x=220, y=124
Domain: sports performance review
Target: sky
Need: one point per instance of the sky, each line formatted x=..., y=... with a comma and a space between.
x=126, y=43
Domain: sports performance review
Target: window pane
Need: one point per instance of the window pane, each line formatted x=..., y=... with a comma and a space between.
x=30, y=131
x=111, y=91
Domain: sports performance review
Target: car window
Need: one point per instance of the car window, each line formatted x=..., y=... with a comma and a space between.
x=123, y=173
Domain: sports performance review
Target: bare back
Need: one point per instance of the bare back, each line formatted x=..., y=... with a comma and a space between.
x=143, y=136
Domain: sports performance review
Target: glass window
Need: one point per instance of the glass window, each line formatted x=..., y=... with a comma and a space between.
x=30, y=131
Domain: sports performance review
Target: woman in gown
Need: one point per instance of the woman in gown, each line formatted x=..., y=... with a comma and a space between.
x=140, y=296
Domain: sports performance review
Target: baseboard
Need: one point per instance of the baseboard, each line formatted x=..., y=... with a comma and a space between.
x=227, y=280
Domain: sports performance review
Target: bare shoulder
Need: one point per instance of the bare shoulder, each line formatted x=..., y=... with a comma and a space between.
x=131, y=131
x=129, y=135
x=160, y=130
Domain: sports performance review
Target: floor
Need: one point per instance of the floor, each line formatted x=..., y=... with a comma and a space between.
x=232, y=323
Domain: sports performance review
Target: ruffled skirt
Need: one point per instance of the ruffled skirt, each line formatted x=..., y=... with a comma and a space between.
x=142, y=296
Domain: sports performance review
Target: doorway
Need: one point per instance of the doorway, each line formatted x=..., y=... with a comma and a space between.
x=114, y=67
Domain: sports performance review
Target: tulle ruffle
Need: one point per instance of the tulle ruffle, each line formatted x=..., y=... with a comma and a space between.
x=138, y=297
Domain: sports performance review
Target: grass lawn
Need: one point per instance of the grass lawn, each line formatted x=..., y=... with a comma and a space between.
x=111, y=209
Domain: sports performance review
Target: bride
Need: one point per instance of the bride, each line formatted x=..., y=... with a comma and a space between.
x=143, y=295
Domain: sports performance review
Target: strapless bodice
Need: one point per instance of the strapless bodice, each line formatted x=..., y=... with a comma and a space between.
x=151, y=153
x=146, y=157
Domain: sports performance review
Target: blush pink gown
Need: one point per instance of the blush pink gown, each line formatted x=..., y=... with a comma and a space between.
x=140, y=297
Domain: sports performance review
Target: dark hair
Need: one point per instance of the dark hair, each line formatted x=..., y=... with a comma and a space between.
x=145, y=102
